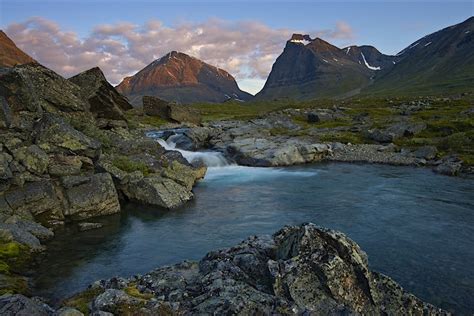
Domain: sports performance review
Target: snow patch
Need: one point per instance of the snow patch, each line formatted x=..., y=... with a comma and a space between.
x=413, y=45
x=467, y=32
x=393, y=62
x=304, y=42
x=335, y=59
x=427, y=44
x=348, y=49
x=367, y=64
x=325, y=60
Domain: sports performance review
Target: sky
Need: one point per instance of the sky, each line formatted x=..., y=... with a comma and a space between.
x=241, y=36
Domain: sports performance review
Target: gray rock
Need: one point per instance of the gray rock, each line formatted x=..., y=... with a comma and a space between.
x=112, y=299
x=84, y=226
x=24, y=232
x=61, y=165
x=19, y=305
x=39, y=198
x=157, y=190
x=299, y=270
x=68, y=311
x=426, y=152
x=90, y=196
x=449, y=166
x=5, y=171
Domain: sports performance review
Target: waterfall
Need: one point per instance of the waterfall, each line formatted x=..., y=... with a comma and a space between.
x=209, y=158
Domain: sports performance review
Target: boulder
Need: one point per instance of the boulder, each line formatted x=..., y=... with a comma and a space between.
x=104, y=100
x=24, y=232
x=19, y=305
x=426, y=152
x=39, y=198
x=157, y=190
x=5, y=171
x=170, y=111
x=68, y=311
x=54, y=134
x=90, y=196
x=450, y=166
x=85, y=226
x=300, y=270
x=395, y=131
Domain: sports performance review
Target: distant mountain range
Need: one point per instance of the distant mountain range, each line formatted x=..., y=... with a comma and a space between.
x=439, y=63
x=442, y=62
x=182, y=78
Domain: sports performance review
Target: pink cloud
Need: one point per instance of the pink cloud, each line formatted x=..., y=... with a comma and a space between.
x=247, y=49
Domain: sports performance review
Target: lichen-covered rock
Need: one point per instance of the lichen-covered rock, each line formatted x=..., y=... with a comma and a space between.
x=90, y=196
x=61, y=165
x=31, y=89
x=54, y=134
x=157, y=190
x=300, y=270
x=104, y=100
x=33, y=158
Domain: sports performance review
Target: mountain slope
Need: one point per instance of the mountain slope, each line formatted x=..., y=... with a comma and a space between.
x=10, y=54
x=442, y=62
x=182, y=78
x=310, y=69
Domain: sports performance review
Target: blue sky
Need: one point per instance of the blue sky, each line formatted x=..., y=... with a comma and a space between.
x=389, y=26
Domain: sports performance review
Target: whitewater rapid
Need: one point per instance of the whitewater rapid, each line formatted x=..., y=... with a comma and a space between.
x=218, y=166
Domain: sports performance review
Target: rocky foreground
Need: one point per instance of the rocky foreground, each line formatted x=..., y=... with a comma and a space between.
x=300, y=270
x=67, y=155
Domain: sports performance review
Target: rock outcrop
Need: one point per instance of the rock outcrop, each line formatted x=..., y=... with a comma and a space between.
x=170, y=111
x=299, y=270
x=104, y=100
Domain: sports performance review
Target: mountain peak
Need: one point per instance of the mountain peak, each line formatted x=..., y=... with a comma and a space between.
x=300, y=39
x=179, y=77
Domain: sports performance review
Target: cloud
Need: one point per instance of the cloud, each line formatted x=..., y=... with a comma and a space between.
x=247, y=49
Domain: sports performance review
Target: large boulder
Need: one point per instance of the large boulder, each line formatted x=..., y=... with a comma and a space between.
x=54, y=134
x=90, y=196
x=170, y=111
x=275, y=151
x=300, y=270
x=39, y=199
x=156, y=190
x=104, y=100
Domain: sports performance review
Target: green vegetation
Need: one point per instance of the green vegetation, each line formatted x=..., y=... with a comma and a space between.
x=132, y=290
x=13, y=258
x=126, y=164
x=81, y=301
x=343, y=137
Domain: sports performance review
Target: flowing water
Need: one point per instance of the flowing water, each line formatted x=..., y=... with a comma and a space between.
x=416, y=226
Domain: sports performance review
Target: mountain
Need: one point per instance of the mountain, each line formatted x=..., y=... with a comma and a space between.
x=313, y=68
x=442, y=62
x=10, y=54
x=182, y=78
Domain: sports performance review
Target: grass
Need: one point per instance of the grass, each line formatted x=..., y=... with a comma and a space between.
x=137, y=119
x=343, y=137
x=126, y=164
